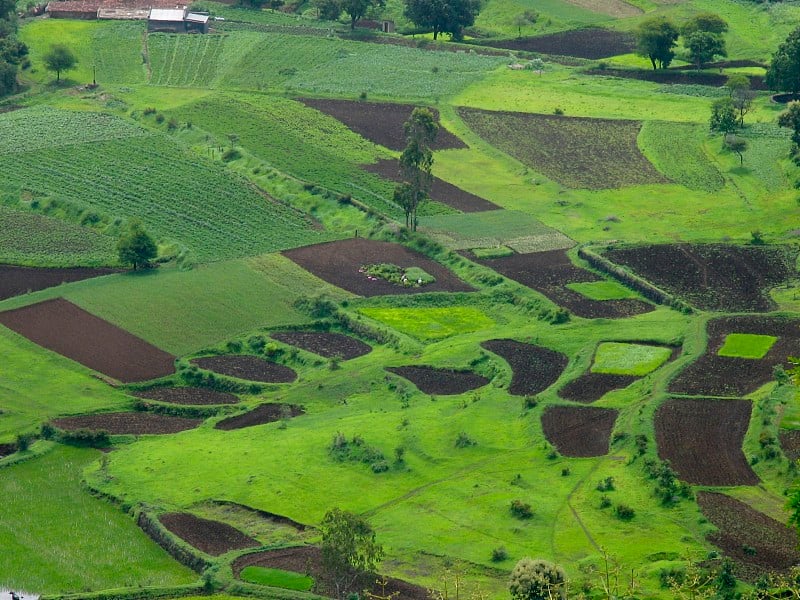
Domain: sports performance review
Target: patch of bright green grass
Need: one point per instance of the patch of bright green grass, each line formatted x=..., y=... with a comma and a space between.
x=56, y=537
x=791, y=413
x=603, y=290
x=36, y=386
x=747, y=345
x=494, y=252
x=431, y=323
x=617, y=358
x=277, y=578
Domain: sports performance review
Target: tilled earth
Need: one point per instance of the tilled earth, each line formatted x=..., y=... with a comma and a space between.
x=431, y=380
x=533, y=368
x=128, y=423
x=264, y=413
x=15, y=281
x=325, y=344
x=247, y=367
x=187, y=395
x=212, y=537
x=578, y=431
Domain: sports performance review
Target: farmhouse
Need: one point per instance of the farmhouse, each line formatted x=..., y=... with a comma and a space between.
x=177, y=20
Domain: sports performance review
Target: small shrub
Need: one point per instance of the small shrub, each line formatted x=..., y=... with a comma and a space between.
x=624, y=512
x=149, y=111
x=172, y=124
x=379, y=466
x=256, y=343
x=529, y=402
x=552, y=455
x=748, y=550
x=24, y=441
x=399, y=454
x=334, y=362
x=558, y=111
x=605, y=485
x=565, y=472
x=234, y=346
x=641, y=444
x=47, y=432
x=231, y=154
x=757, y=238
x=521, y=510
x=362, y=96
x=499, y=554
x=464, y=441
x=160, y=118
x=86, y=437
x=605, y=501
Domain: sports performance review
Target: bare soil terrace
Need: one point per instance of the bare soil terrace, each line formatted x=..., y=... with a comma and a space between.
x=128, y=423
x=325, y=344
x=578, y=431
x=592, y=43
x=16, y=281
x=193, y=396
x=431, y=380
x=533, y=368
x=264, y=413
x=212, y=537
x=250, y=368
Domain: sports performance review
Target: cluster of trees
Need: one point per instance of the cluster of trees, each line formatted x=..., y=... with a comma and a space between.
x=12, y=51
x=416, y=163
x=702, y=37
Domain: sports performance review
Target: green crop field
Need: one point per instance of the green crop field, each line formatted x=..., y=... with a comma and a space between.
x=205, y=139
x=616, y=358
x=747, y=345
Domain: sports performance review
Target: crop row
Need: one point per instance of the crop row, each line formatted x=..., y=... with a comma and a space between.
x=42, y=127
x=178, y=196
x=184, y=60
x=116, y=51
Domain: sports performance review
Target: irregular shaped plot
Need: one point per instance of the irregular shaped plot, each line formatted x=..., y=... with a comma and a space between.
x=550, y=272
x=15, y=281
x=187, y=395
x=719, y=277
x=533, y=368
x=592, y=43
x=247, y=367
x=265, y=413
x=212, y=537
x=62, y=327
x=590, y=387
x=756, y=542
x=432, y=323
x=325, y=344
x=715, y=375
x=339, y=262
x=615, y=358
x=579, y=153
x=790, y=443
x=702, y=440
x=747, y=345
x=128, y=423
x=603, y=290
x=579, y=431
x=431, y=380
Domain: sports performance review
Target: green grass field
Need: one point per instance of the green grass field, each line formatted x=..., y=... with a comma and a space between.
x=277, y=578
x=431, y=323
x=747, y=345
x=616, y=358
x=603, y=290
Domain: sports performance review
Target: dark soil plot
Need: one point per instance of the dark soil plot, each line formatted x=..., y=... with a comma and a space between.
x=702, y=440
x=307, y=560
x=15, y=281
x=590, y=387
x=441, y=191
x=127, y=423
x=533, y=368
x=674, y=77
x=578, y=431
x=381, y=123
x=62, y=327
x=756, y=542
x=578, y=153
x=247, y=367
x=431, y=380
x=325, y=344
x=592, y=43
x=339, y=262
x=790, y=444
x=212, y=537
x=192, y=396
x=715, y=375
x=265, y=413
x=7, y=449
x=718, y=277
x=549, y=272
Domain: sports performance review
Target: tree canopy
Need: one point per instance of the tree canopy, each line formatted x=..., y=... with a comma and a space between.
x=783, y=74
x=416, y=163
x=136, y=247
x=537, y=580
x=443, y=16
x=59, y=58
x=655, y=39
x=723, y=116
x=706, y=21
x=704, y=47
x=349, y=549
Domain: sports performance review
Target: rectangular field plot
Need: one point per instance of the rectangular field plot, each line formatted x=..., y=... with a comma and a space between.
x=517, y=230
x=62, y=327
x=747, y=345
x=602, y=290
x=431, y=323
x=616, y=358
x=184, y=60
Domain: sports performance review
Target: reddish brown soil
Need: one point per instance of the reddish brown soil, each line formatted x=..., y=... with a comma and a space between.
x=592, y=43
x=715, y=375
x=212, y=537
x=325, y=344
x=247, y=367
x=381, y=123
x=62, y=327
x=127, y=423
x=15, y=281
x=579, y=431
x=431, y=380
x=265, y=413
x=533, y=368
x=441, y=191
x=590, y=387
x=790, y=443
x=702, y=440
x=719, y=277
x=549, y=273
x=308, y=561
x=187, y=395
x=671, y=76
x=338, y=263
x=756, y=542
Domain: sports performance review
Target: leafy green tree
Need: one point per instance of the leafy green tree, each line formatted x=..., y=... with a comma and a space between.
x=537, y=580
x=655, y=39
x=706, y=21
x=526, y=19
x=790, y=118
x=443, y=16
x=8, y=78
x=739, y=89
x=7, y=8
x=704, y=47
x=350, y=552
x=58, y=59
x=723, y=116
x=783, y=74
x=737, y=145
x=356, y=9
x=136, y=247
x=329, y=10
x=416, y=163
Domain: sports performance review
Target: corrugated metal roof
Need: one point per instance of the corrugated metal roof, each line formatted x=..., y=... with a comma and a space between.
x=167, y=14
x=195, y=18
